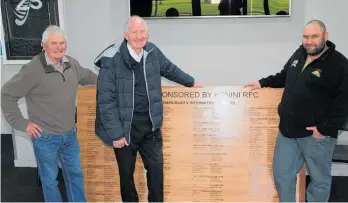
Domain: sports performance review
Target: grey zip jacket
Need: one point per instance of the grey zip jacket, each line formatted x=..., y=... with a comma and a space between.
x=50, y=95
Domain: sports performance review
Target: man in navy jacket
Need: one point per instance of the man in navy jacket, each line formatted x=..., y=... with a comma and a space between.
x=129, y=106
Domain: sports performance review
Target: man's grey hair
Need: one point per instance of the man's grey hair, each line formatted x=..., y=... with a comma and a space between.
x=52, y=29
x=318, y=22
x=135, y=17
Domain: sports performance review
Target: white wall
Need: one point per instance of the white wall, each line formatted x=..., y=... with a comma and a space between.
x=231, y=51
x=219, y=52
x=91, y=27
x=220, y=47
x=334, y=15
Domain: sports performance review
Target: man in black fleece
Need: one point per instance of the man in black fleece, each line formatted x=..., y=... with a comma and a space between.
x=314, y=107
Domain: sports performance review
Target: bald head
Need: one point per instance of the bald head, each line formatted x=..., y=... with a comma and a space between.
x=314, y=37
x=318, y=23
x=133, y=20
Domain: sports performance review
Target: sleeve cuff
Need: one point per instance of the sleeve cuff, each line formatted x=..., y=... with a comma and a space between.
x=22, y=125
x=191, y=84
x=326, y=130
x=262, y=83
x=117, y=139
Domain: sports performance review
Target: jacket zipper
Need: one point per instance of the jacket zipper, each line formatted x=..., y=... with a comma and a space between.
x=315, y=60
x=147, y=90
x=290, y=94
x=130, y=125
x=62, y=72
x=63, y=77
x=290, y=90
x=298, y=76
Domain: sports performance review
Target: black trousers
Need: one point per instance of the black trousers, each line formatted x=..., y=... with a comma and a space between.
x=149, y=144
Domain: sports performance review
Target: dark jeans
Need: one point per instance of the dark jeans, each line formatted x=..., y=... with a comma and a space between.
x=149, y=145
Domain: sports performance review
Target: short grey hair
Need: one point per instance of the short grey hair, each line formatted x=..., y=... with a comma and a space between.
x=135, y=17
x=52, y=29
x=318, y=22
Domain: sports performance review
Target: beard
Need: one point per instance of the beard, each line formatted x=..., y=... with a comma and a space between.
x=318, y=48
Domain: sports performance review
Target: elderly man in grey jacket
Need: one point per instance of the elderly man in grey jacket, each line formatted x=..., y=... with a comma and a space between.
x=49, y=84
x=129, y=106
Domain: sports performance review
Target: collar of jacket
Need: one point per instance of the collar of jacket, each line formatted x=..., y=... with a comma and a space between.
x=49, y=68
x=331, y=47
x=123, y=50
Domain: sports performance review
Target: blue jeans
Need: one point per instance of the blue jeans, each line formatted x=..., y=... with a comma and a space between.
x=48, y=149
x=289, y=156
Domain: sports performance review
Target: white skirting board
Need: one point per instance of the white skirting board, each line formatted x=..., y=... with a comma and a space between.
x=339, y=169
x=25, y=163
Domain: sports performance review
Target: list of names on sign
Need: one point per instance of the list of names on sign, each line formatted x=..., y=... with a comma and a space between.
x=98, y=161
x=218, y=145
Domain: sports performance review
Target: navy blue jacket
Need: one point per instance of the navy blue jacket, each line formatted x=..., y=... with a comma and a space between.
x=115, y=89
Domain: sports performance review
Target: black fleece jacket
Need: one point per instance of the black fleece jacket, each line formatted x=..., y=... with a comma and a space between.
x=316, y=96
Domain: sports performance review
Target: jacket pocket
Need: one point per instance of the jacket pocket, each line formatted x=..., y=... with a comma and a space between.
x=320, y=82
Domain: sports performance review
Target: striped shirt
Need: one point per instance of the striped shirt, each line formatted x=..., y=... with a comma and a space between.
x=50, y=62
